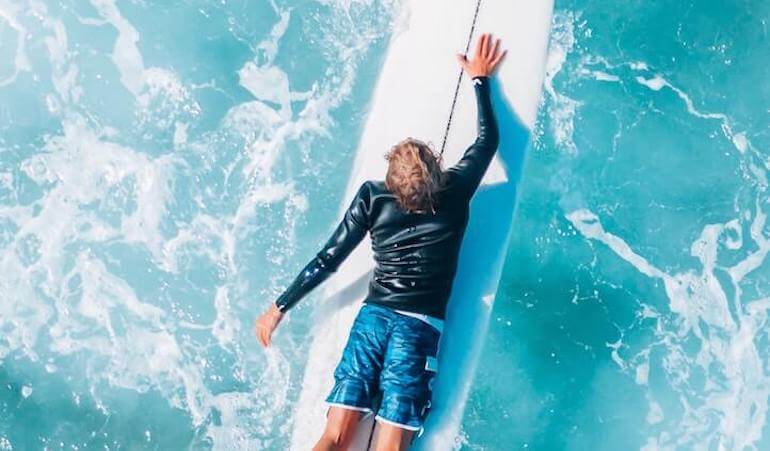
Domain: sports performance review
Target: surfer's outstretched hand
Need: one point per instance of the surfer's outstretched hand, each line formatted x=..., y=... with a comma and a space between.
x=267, y=323
x=485, y=58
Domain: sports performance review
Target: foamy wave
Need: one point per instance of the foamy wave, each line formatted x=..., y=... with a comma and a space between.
x=658, y=82
x=715, y=315
x=9, y=14
x=736, y=386
x=709, y=340
x=561, y=108
x=188, y=203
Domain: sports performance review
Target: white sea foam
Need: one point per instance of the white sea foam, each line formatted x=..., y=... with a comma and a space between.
x=64, y=74
x=265, y=80
x=597, y=75
x=655, y=83
x=737, y=385
x=98, y=189
x=9, y=14
x=726, y=328
x=711, y=334
x=125, y=54
x=562, y=116
x=562, y=109
x=658, y=82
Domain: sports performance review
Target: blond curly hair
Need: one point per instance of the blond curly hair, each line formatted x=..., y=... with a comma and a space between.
x=414, y=175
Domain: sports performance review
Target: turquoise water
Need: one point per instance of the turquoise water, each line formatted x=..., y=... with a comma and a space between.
x=633, y=313
x=168, y=166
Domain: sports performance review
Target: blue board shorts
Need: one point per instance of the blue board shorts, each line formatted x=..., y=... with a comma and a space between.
x=390, y=357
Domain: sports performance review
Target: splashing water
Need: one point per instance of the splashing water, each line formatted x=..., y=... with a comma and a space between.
x=634, y=308
x=159, y=164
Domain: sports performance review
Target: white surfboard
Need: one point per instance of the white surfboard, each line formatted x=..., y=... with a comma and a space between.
x=413, y=98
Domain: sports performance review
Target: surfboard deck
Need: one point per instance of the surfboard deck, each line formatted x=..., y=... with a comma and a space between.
x=413, y=98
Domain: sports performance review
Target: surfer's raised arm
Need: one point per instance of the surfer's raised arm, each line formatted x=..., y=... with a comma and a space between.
x=349, y=232
x=475, y=161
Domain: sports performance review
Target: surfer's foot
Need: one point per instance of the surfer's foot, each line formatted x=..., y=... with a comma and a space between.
x=340, y=429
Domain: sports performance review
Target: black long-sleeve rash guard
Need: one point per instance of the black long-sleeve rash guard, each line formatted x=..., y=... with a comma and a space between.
x=415, y=254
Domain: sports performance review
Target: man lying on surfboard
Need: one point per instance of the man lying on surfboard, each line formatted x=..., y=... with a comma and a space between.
x=416, y=218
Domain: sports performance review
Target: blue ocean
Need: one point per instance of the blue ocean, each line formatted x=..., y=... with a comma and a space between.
x=167, y=167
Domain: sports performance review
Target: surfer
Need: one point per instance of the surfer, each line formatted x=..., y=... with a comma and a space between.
x=416, y=218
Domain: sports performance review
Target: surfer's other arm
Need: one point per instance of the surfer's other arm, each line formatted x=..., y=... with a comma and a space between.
x=475, y=161
x=350, y=231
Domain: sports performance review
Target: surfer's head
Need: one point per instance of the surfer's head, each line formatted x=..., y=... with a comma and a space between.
x=414, y=175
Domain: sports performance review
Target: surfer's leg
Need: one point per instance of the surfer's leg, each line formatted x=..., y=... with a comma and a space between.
x=388, y=437
x=356, y=378
x=340, y=426
x=406, y=381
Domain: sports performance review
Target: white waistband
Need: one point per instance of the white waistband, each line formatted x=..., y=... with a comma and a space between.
x=432, y=320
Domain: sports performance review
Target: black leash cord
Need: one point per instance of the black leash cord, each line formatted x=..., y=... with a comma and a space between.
x=459, y=78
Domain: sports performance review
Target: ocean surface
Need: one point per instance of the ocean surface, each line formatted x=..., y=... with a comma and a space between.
x=167, y=167
x=633, y=310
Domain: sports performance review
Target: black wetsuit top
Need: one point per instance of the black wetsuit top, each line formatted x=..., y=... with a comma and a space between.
x=415, y=253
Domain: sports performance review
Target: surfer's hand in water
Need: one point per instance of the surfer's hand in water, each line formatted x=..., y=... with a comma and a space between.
x=267, y=323
x=485, y=59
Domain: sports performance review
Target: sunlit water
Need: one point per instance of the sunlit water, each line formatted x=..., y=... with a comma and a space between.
x=634, y=307
x=166, y=168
